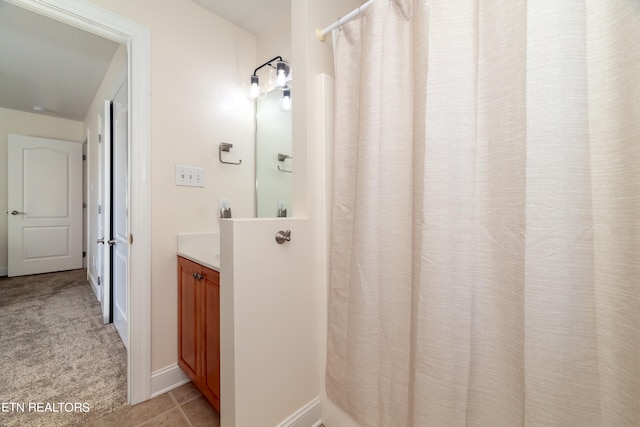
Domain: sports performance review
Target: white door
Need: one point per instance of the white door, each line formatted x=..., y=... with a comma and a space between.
x=120, y=211
x=45, y=205
x=104, y=218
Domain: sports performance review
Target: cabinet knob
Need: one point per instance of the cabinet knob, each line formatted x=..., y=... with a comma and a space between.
x=198, y=276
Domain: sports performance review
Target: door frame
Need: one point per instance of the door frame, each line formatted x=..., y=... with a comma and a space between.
x=136, y=38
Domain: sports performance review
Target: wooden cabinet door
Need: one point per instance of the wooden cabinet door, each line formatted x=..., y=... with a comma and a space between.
x=199, y=327
x=211, y=378
x=190, y=337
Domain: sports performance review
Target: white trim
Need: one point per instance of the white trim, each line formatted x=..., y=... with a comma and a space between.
x=307, y=416
x=140, y=218
x=107, y=24
x=85, y=201
x=86, y=212
x=93, y=281
x=166, y=379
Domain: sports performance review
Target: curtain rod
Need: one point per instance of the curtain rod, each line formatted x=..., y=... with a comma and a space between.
x=349, y=16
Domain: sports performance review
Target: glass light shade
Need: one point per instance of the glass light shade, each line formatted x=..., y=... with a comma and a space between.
x=283, y=74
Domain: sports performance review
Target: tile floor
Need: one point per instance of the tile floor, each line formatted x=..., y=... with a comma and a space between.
x=183, y=406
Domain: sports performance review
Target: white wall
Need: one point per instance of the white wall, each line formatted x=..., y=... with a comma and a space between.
x=199, y=64
x=23, y=123
x=268, y=317
x=275, y=40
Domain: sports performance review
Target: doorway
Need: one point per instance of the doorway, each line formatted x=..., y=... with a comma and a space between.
x=136, y=37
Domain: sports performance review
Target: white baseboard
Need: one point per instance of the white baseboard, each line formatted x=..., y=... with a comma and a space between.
x=167, y=379
x=307, y=416
x=94, y=286
x=4, y=271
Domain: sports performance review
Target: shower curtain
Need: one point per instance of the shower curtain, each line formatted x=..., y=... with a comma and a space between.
x=485, y=245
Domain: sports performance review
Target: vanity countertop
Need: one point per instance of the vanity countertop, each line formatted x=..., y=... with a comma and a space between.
x=203, y=248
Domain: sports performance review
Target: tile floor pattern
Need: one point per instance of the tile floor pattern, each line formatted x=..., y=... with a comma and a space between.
x=183, y=406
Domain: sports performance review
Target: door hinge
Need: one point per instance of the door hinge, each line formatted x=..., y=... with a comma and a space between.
x=99, y=209
x=99, y=138
x=99, y=281
x=84, y=157
x=84, y=254
x=84, y=205
x=131, y=239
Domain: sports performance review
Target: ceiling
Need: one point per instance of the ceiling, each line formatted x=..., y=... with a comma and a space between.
x=254, y=16
x=48, y=65
x=52, y=68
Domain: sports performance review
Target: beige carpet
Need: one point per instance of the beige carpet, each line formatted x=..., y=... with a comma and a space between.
x=59, y=365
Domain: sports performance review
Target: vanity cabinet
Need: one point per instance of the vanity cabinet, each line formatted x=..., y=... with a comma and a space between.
x=199, y=327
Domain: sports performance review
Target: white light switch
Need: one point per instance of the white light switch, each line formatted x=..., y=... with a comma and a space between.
x=190, y=176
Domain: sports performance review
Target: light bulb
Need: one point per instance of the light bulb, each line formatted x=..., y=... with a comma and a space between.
x=281, y=75
x=286, y=103
x=254, y=89
x=286, y=100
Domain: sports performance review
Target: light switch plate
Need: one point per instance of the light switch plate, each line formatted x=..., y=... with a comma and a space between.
x=189, y=176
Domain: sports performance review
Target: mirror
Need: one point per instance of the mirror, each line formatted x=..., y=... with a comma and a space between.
x=274, y=160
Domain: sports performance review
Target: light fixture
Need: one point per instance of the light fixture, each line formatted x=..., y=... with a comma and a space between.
x=280, y=80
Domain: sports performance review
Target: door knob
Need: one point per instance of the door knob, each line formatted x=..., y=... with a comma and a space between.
x=109, y=242
x=283, y=236
x=14, y=212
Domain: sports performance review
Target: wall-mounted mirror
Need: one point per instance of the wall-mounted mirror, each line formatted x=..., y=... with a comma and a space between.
x=274, y=159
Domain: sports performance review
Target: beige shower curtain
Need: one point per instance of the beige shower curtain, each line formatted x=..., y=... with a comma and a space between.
x=485, y=252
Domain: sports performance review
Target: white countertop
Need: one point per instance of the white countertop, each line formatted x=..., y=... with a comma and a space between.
x=203, y=248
